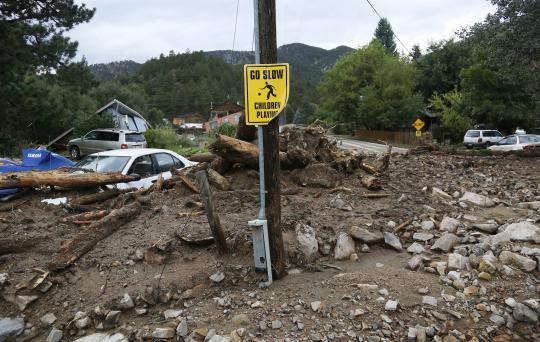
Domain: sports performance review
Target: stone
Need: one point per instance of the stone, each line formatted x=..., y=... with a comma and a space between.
x=476, y=199
x=427, y=225
x=519, y=261
x=423, y=290
x=345, y=246
x=457, y=261
x=535, y=205
x=415, y=248
x=101, y=337
x=453, y=275
x=165, y=333
x=354, y=257
x=48, y=319
x=365, y=236
x=438, y=192
x=217, y=277
x=168, y=314
x=393, y=241
x=523, y=313
x=55, y=335
x=240, y=319
x=307, y=241
x=523, y=231
x=276, y=324
x=391, y=305
x=182, y=328
x=23, y=301
x=10, y=327
x=511, y=302
x=315, y=306
x=429, y=300
x=484, y=276
x=338, y=203
x=470, y=291
x=486, y=227
x=112, y=319
x=449, y=224
x=415, y=263
x=498, y=320
x=446, y=242
x=3, y=279
x=83, y=323
x=421, y=335
x=487, y=266
x=411, y=333
x=424, y=237
x=126, y=302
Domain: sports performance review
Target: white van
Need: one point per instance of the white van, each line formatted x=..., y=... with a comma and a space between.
x=481, y=137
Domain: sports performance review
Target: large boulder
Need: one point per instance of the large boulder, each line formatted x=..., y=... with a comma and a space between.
x=523, y=231
x=344, y=247
x=318, y=175
x=307, y=241
x=517, y=260
x=476, y=199
x=365, y=236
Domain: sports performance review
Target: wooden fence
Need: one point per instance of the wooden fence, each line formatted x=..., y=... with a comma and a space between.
x=393, y=137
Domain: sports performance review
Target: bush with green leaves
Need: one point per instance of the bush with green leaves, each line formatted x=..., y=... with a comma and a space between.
x=227, y=129
x=449, y=107
x=165, y=137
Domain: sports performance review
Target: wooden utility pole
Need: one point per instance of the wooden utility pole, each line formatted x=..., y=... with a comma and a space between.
x=268, y=54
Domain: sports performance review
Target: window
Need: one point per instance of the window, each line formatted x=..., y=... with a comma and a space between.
x=103, y=163
x=523, y=139
x=508, y=141
x=141, y=124
x=178, y=163
x=488, y=134
x=134, y=137
x=497, y=134
x=164, y=162
x=91, y=136
x=143, y=166
x=107, y=136
x=472, y=134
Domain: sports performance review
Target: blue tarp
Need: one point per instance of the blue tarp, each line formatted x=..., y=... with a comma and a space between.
x=33, y=160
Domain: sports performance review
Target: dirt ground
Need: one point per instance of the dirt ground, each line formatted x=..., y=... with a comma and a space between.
x=319, y=300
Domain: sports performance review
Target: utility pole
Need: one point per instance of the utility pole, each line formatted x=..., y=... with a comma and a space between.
x=270, y=134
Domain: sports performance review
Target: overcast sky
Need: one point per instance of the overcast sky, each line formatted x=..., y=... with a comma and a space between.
x=142, y=29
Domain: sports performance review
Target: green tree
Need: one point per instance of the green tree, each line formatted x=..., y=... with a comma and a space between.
x=369, y=88
x=385, y=35
x=416, y=52
x=450, y=108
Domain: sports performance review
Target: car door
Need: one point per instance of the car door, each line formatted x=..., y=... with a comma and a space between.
x=89, y=142
x=164, y=162
x=505, y=144
x=145, y=167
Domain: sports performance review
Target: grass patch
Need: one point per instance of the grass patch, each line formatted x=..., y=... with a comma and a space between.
x=165, y=137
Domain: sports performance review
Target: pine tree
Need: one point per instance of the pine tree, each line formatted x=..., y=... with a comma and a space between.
x=385, y=35
x=416, y=52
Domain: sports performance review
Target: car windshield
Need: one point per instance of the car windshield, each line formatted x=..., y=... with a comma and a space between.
x=472, y=134
x=134, y=137
x=103, y=163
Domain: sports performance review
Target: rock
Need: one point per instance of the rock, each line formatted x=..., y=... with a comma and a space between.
x=126, y=302
x=470, y=291
x=55, y=335
x=217, y=338
x=519, y=261
x=217, y=277
x=365, y=235
x=523, y=313
x=391, y=305
x=446, y=242
x=498, y=320
x=168, y=314
x=511, y=302
x=486, y=227
x=276, y=324
x=449, y=224
x=484, y=276
x=112, y=319
x=415, y=248
x=427, y=225
x=476, y=199
x=529, y=205
x=429, y=300
x=411, y=334
x=307, y=241
x=415, y=263
x=354, y=257
x=317, y=174
x=438, y=192
x=48, y=319
x=10, y=327
x=165, y=333
x=420, y=334
x=523, y=231
x=393, y=241
x=83, y=323
x=100, y=337
x=344, y=247
x=453, y=275
x=23, y=301
x=423, y=290
x=339, y=203
x=315, y=306
x=424, y=237
x=182, y=328
x=457, y=261
x=240, y=319
x=3, y=279
x=487, y=266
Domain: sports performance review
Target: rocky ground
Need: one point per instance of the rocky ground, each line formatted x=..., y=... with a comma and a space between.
x=451, y=254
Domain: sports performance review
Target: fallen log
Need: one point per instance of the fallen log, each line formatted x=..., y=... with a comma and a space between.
x=31, y=179
x=87, y=238
x=385, y=162
x=218, y=180
x=190, y=214
x=374, y=195
x=97, y=197
x=89, y=216
x=185, y=179
x=202, y=157
x=236, y=151
x=12, y=246
x=371, y=183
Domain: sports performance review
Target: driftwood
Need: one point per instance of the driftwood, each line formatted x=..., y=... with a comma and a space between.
x=202, y=157
x=88, y=216
x=185, y=179
x=371, y=183
x=218, y=180
x=31, y=179
x=374, y=195
x=385, y=162
x=213, y=218
x=87, y=238
x=190, y=214
x=97, y=197
x=236, y=151
x=403, y=225
x=220, y=165
x=11, y=246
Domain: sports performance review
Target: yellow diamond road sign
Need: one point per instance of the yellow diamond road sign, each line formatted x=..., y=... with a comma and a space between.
x=266, y=91
x=418, y=124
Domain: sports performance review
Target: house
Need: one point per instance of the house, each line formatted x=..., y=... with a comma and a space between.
x=192, y=117
x=124, y=116
x=227, y=112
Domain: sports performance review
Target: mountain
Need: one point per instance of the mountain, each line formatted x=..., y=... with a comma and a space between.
x=112, y=70
x=307, y=62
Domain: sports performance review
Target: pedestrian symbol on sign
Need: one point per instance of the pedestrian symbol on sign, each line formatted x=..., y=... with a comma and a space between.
x=270, y=88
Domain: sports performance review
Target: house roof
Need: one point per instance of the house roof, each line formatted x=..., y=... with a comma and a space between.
x=124, y=106
x=228, y=106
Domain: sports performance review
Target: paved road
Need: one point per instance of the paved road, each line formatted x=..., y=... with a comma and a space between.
x=368, y=146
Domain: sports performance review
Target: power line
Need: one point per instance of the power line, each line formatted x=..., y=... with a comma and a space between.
x=235, y=23
x=395, y=35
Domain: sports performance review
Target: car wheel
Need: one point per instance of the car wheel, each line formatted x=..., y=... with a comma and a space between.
x=74, y=152
x=487, y=144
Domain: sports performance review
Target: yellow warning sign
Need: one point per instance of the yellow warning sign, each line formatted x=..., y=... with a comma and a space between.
x=418, y=124
x=266, y=91
x=418, y=133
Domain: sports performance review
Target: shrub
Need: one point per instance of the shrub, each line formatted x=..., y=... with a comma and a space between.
x=227, y=129
x=165, y=137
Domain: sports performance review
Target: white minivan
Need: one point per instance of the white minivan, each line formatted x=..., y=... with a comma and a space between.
x=481, y=137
